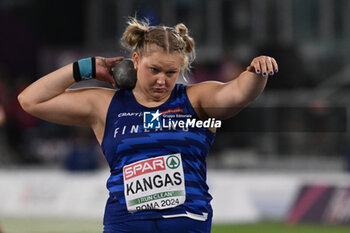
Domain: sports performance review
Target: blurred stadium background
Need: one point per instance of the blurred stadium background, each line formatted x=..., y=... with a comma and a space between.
x=280, y=164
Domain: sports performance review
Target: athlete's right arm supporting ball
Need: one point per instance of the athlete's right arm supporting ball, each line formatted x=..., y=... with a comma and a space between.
x=99, y=68
x=118, y=72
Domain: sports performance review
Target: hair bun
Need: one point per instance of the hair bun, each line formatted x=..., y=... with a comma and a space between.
x=181, y=29
x=135, y=32
x=183, y=32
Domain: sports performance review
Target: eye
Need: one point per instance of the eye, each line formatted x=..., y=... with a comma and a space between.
x=154, y=70
x=169, y=73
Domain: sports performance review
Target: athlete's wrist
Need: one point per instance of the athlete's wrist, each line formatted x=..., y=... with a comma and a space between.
x=84, y=69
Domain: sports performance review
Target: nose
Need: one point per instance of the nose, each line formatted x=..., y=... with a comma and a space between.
x=161, y=80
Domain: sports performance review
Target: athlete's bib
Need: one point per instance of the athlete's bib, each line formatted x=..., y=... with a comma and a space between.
x=155, y=183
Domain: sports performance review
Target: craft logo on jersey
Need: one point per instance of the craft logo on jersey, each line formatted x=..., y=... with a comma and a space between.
x=151, y=120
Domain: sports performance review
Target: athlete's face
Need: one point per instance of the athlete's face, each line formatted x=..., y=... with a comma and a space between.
x=157, y=72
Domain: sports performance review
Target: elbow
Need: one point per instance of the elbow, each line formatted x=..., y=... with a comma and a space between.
x=243, y=101
x=248, y=98
x=21, y=101
x=25, y=103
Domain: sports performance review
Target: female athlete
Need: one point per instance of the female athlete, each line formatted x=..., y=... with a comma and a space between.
x=156, y=136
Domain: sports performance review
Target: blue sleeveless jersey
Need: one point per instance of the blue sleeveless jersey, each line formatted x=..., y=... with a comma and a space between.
x=129, y=138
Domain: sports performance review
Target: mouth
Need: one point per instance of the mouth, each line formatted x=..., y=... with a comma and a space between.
x=159, y=90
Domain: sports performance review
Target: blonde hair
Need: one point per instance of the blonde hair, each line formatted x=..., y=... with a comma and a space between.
x=139, y=35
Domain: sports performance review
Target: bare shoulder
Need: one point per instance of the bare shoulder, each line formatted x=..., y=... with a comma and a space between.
x=100, y=99
x=198, y=91
x=97, y=98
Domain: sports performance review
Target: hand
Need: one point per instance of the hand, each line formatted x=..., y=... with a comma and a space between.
x=263, y=65
x=104, y=69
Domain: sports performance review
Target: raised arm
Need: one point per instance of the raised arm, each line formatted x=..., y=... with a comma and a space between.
x=48, y=98
x=224, y=100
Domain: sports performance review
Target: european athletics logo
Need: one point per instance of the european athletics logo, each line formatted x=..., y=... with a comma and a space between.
x=151, y=120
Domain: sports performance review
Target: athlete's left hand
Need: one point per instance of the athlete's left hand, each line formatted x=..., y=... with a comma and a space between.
x=263, y=65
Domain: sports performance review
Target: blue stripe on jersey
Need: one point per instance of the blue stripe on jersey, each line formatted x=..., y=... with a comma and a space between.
x=126, y=141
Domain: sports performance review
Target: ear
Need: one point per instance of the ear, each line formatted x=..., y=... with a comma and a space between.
x=136, y=59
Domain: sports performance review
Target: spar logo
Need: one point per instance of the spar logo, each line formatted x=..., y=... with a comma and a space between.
x=151, y=120
x=151, y=165
x=144, y=167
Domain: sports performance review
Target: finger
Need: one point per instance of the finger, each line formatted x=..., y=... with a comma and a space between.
x=269, y=66
x=263, y=67
x=103, y=73
x=109, y=79
x=256, y=65
x=251, y=68
x=112, y=60
x=113, y=84
x=101, y=61
x=275, y=65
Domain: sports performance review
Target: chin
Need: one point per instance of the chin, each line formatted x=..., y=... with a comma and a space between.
x=159, y=95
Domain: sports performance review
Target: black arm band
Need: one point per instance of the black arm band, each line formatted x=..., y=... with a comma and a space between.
x=93, y=62
x=76, y=72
